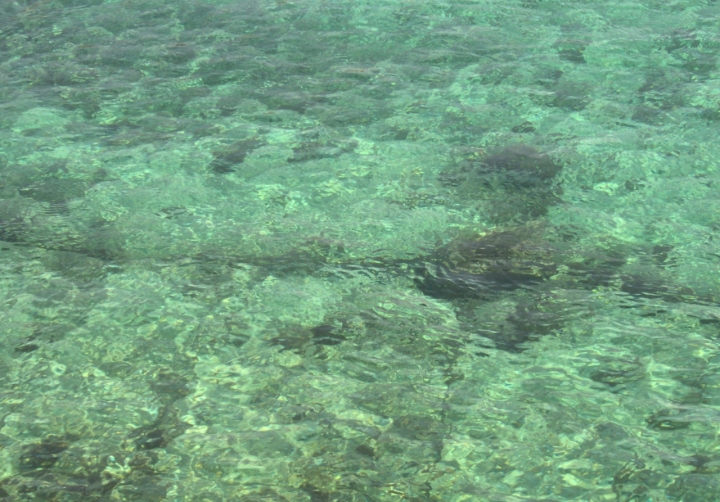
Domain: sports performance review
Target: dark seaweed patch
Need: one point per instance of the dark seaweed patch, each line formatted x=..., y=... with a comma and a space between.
x=420, y=427
x=143, y=487
x=263, y=495
x=316, y=494
x=292, y=340
x=55, y=190
x=170, y=386
x=714, y=321
x=571, y=50
x=508, y=245
x=158, y=434
x=12, y=229
x=366, y=450
x=644, y=287
x=617, y=373
x=49, y=332
x=633, y=184
x=533, y=319
x=471, y=270
x=228, y=159
x=290, y=99
x=42, y=455
x=572, y=97
x=660, y=254
x=524, y=127
x=178, y=53
x=649, y=115
x=327, y=335
x=75, y=266
x=668, y=419
x=315, y=150
x=523, y=165
x=663, y=91
x=441, y=282
x=401, y=135
x=699, y=63
x=710, y=114
x=26, y=347
x=172, y=212
x=596, y=269
x=151, y=440
x=310, y=342
x=630, y=483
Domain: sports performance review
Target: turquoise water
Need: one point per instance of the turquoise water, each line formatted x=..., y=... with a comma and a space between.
x=359, y=250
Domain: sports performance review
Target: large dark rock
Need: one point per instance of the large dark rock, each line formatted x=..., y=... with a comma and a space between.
x=483, y=265
x=522, y=165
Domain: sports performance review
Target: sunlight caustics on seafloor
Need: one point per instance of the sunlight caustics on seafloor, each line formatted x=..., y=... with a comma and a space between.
x=359, y=250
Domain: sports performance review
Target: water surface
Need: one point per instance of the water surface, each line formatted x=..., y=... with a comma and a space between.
x=359, y=250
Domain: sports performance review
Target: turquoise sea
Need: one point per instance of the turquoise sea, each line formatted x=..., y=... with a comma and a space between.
x=360, y=250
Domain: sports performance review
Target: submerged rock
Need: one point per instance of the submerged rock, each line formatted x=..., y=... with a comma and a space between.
x=42, y=455
x=519, y=165
x=55, y=190
x=482, y=265
x=523, y=165
x=512, y=267
x=509, y=184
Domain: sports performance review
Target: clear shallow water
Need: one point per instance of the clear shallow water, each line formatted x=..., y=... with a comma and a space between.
x=310, y=251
